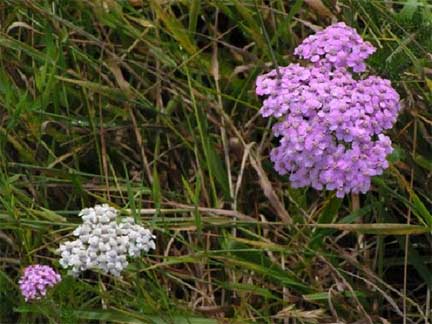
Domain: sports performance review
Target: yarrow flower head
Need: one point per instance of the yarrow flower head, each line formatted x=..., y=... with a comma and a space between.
x=337, y=45
x=36, y=280
x=330, y=124
x=104, y=244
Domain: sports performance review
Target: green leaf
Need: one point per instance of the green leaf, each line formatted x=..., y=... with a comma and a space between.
x=259, y=262
x=423, y=162
x=248, y=288
x=136, y=318
x=194, y=11
x=324, y=296
x=378, y=229
x=327, y=216
x=174, y=27
x=409, y=8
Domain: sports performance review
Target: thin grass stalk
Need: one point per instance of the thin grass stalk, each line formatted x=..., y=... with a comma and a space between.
x=405, y=270
x=216, y=76
x=355, y=206
x=428, y=304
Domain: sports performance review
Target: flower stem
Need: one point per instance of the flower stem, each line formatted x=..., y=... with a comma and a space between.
x=355, y=202
x=355, y=205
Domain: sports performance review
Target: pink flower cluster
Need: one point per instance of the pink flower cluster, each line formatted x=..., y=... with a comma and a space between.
x=331, y=124
x=338, y=45
x=36, y=279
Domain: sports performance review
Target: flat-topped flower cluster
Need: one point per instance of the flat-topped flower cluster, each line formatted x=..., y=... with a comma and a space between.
x=331, y=125
x=104, y=244
x=36, y=280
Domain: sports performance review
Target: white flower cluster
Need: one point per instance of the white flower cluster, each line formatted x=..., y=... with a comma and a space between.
x=103, y=243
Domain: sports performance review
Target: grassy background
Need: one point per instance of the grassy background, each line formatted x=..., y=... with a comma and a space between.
x=150, y=105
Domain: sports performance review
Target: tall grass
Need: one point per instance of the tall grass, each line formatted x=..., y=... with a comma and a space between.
x=150, y=106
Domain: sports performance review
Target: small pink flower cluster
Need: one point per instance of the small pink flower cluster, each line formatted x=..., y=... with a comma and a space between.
x=36, y=279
